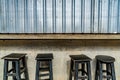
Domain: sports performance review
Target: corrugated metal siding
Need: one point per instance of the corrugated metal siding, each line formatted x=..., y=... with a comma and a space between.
x=59, y=16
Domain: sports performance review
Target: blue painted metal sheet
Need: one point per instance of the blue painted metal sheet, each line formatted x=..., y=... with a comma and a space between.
x=59, y=16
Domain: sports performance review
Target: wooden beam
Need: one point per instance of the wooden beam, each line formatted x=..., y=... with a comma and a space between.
x=59, y=36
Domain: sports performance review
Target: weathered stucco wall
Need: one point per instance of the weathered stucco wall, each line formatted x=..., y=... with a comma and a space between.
x=61, y=50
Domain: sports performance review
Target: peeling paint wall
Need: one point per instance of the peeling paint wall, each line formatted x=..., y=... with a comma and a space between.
x=61, y=50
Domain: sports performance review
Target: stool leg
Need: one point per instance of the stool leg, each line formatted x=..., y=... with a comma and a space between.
x=5, y=77
x=13, y=66
x=83, y=69
x=18, y=70
x=96, y=71
x=71, y=66
x=51, y=71
x=37, y=70
x=26, y=70
x=89, y=71
x=108, y=70
x=113, y=71
x=100, y=71
x=76, y=71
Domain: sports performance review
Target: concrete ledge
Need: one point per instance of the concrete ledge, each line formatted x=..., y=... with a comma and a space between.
x=58, y=36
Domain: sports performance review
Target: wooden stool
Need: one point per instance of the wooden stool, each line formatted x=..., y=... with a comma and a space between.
x=74, y=67
x=41, y=58
x=110, y=71
x=17, y=70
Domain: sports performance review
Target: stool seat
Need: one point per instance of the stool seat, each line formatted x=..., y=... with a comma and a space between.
x=105, y=58
x=81, y=57
x=48, y=56
x=14, y=56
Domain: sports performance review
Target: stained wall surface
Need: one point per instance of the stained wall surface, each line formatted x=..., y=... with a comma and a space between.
x=61, y=50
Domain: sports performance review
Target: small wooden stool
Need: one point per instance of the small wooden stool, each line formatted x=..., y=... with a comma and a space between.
x=74, y=67
x=110, y=71
x=17, y=70
x=40, y=68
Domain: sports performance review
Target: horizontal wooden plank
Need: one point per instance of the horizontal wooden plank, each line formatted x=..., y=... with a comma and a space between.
x=59, y=36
